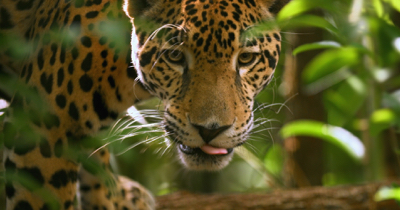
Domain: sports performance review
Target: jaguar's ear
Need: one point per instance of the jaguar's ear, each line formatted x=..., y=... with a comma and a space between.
x=135, y=8
x=276, y=5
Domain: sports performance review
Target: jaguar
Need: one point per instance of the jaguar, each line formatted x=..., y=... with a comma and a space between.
x=89, y=60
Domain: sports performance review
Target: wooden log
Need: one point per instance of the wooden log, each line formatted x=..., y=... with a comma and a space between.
x=313, y=198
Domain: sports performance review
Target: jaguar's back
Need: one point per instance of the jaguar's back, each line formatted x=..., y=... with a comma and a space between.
x=75, y=56
x=196, y=55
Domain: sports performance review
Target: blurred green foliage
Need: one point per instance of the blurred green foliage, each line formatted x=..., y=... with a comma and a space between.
x=359, y=75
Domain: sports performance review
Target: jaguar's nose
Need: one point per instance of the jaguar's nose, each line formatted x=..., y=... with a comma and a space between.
x=208, y=134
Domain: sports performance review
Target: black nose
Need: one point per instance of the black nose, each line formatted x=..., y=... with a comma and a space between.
x=208, y=134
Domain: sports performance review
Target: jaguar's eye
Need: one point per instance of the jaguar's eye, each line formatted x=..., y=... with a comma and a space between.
x=174, y=56
x=245, y=59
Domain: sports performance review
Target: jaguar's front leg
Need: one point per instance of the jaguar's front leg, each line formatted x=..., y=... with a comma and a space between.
x=38, y=176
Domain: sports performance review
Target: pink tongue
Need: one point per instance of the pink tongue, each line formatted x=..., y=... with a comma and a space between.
x=213, y=150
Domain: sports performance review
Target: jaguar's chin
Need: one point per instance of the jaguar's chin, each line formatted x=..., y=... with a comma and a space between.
x=205, y=158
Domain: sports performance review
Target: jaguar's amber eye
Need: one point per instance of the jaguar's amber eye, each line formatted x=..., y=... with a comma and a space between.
x=246, y=58
x=174, y=56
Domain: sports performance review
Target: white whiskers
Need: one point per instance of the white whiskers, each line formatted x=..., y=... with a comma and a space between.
x=131, y=126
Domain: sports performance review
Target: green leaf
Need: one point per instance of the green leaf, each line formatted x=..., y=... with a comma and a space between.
x=382, y=116
x=380, y=120
x=274, y=160
x=328, y=62
x=308, y=21
x=387, y=193
x=395, y=4
x=333, y=134
x=316, y=45
x=297, y=7
x=343, y=102
x=377, y=5
x=294, y=8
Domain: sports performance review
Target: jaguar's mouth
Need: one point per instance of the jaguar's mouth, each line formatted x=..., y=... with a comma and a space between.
x=205, y=150
x=201, y=158
x=204, y=158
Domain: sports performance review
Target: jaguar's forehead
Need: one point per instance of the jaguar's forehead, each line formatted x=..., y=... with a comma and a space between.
x=218, y=23
x=236, y=11
x=203, y=14
x=211, y=15
x=208, y=26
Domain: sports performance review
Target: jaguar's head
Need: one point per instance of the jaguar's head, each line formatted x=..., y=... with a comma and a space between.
x=198, y=57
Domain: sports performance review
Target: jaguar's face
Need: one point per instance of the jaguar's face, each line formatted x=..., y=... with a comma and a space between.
x=201, y=62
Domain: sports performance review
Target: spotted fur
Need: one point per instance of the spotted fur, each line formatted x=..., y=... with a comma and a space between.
x=201, y=57
x=209, y=91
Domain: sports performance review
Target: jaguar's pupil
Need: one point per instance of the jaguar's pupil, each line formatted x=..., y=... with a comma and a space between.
x=175, y=55
x=245, y=57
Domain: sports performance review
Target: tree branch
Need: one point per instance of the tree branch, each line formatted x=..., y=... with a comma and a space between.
x=318, y=198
